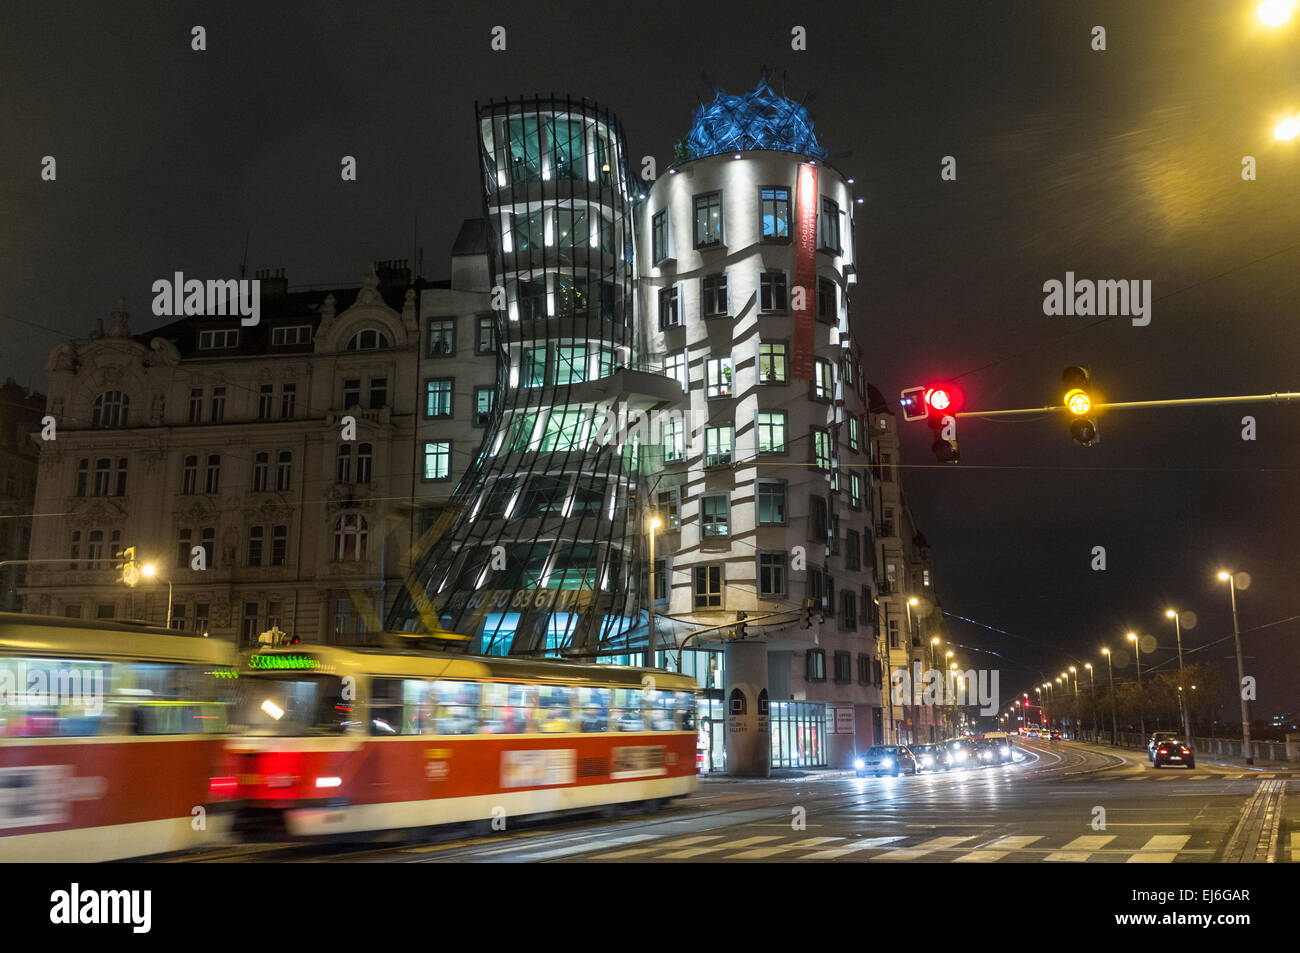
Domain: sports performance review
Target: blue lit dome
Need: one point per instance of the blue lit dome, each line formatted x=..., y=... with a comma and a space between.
x=757, y=120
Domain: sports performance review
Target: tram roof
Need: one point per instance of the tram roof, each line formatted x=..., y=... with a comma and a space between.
x=53, y=635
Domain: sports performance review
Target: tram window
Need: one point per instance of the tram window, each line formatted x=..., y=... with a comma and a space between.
x=457, y=707
x=508, y=709
x=386, y=706
x=663, y=714
x=627, y=709
x=686, y=705
x=594, y=705
x=554, y=704
x=46, y=698
x=418, y=708
x=275, y=706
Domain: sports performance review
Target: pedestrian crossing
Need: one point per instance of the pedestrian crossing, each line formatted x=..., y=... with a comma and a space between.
x=1175, y=775
x=971, y=849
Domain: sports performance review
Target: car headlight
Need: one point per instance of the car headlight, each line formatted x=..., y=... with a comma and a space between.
x=927, y=760
x=1006, y=751
x=887, y=761
x=859, y=764
x=961, y=756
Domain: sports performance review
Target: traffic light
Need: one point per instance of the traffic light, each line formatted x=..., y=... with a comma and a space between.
x=912, y=403
x=1078, y=401
x=126, y=565
x=942, y=401
x=805, y=614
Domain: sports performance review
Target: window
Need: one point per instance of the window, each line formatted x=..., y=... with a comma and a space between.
x=196, y=405
x=708, y=219
x=824, y=380
x=110, y=410
x=661, y=580
x=606, y=366
x=672, y=430
x=534, y=366
x=544, y=494
x=844, y=661
x=343, y=464
x=437, y=397
x=771, y=574
x=816, y=670
x=283, y=471
x=265, y=398
x=847, y=366
x=864, y=669
x=829, y=226
x=484, y=401
x=101, y=476
x=821, y=448
x=771, y=502
x=852, y=550
x=713, y=300
x=298, y=334
x=706, y=584
x=217, y=340
x=818, y=521
x=565, y=430
x=249, y=628
x=256, y=536
x=288, y=396
x=669, y=313
x=893, y=633
x=827, y=310
x=365, y=454
x=666, y=507
x=855, y=491
x=715, y=513
x=261, y=472
x=350, y=535
x=279, y=545
x=485, y=342
x=74, y=551
x=520, y=437
x=771, y=431
x=189, y=476
x=368, y=339
x=218, y=404
x=200, y=617
x=94, y=548
x=351, y=393
x=378, y=393
x=717, y=445
x=772, y=293
x=886, y=468
x=83, y=474
x=675, y=367
x=212, y=475
x=771, y=362
x=659, y=237
x=437, y=459
x=442, y=337
x=717, y=377
x=854, y=441
x=774, y=212
x=570, y=363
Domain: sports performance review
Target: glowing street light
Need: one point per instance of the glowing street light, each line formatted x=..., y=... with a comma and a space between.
x=1231, y=580
x=1274, y=13
x=149, y=570
x=1110, y=671
x=1287, y=129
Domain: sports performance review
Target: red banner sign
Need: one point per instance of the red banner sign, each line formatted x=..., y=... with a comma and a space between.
x=805, y=273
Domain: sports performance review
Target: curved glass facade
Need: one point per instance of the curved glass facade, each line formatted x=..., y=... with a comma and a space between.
x=541, y=556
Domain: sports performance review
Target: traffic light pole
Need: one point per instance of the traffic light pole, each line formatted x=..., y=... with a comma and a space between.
x=1121, y=405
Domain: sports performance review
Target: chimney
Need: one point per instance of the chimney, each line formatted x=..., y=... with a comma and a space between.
x=274, y=283
x=394, y=273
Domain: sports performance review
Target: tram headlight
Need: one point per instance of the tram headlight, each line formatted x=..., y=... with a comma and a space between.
x=328, y=782
x=1006, y=750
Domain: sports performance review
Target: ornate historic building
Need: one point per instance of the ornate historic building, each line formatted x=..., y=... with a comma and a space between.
x=20, y=417
x=266, y=472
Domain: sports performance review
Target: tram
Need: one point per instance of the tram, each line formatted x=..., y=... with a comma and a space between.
x=365, y=743
x=109, y=736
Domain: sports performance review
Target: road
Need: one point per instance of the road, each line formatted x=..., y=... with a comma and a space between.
x=1066, y=802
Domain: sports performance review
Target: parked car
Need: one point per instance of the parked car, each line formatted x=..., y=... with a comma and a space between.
x=1157, y=737
x=932, y=757
x=886, y=759
x=1171, y=751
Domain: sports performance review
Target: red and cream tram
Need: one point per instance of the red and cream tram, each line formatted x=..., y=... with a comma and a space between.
x=109, y=735
x=334, y=741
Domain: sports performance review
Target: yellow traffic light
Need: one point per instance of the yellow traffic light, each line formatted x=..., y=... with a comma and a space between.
x=1078, y=402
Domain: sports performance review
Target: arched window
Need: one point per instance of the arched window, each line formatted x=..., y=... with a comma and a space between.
x=350, y=533
x=110, y=410
x=368, y=340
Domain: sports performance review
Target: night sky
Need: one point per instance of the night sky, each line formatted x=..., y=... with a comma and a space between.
x=1123, y=164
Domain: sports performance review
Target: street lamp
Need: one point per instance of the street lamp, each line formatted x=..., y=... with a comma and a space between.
x=1137, y=655
x=149, y=570
x=1092, y=698
x=1110, y=671
x=1178, y=634
x=1231, y=580
x=934, y=712
x=1075, y=672
x=1287, y=129
x=650, y=633
x=1274, y=13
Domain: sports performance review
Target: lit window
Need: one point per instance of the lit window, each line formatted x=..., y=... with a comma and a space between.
x=771, y=362
x=437, y=397
x=442, y=337
x=437, y=459
x=715, y=513
x=717, y=377
x=717, y=445
x=708, y=219
x=774, y=210
x=350, y=537
x=771, y=431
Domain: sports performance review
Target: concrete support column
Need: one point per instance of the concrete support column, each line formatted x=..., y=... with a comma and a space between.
x=749, y=743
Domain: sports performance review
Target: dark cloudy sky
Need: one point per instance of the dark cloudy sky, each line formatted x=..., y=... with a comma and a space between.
x=1117, y=164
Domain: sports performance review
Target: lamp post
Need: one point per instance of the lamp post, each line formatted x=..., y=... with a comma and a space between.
x=1075, y=672
x=1042, y=712
x=149, y=570
x=1182, y=702
x=1230, y=579
x=1137, y=655
x=1092, y=698
x=650, y=633
x=934, y=711
x=1110, y=671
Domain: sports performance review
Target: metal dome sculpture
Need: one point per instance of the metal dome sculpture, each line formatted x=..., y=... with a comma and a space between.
x=761, y=119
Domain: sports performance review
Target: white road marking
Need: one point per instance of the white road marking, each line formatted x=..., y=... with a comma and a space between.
x=1080, y=848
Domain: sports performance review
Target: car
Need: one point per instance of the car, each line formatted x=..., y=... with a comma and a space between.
x=961, y=753
x=932, y=757
x=885, y=759
x=986, y=754
x=1056, y=735
x=1001, y=742
x=1171, y=751
x=1157, y=737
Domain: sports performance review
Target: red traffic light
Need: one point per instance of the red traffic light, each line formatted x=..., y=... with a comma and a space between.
x=943, y=398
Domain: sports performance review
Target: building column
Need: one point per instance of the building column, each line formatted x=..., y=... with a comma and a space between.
x=749, y=743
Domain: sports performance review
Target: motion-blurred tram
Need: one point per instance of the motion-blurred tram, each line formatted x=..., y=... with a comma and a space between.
x=329, y=741
x=109, y=736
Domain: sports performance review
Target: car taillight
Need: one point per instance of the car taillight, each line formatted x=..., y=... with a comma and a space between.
x=1187, y=751
x=1162, y=751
